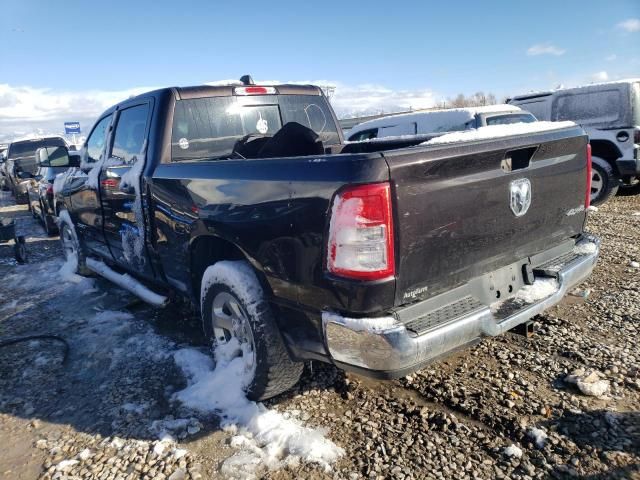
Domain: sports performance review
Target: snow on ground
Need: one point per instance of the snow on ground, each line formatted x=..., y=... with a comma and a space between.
x=538, y=436
x=496, y=131
x=265, y=438
x=513, y=451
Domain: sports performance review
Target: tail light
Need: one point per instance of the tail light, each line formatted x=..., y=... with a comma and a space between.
x=254, y=90
x=50, y=189
x=587, y=198
x=361, y=233
x=636, y=135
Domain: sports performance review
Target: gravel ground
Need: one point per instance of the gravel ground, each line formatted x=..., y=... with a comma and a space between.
x=507, y=408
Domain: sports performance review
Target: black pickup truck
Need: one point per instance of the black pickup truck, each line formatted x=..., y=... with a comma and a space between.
x=378, y=257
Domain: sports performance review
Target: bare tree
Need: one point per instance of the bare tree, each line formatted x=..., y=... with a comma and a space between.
x=478, y=99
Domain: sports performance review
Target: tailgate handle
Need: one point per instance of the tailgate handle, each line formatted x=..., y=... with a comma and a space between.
x=517, y=159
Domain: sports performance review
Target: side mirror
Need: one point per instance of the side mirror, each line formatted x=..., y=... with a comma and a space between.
x=42, y=157
x=53, y=157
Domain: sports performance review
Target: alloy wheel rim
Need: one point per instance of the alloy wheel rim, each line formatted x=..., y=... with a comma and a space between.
x=597, y=184
x=68, y=243
x=229, y=321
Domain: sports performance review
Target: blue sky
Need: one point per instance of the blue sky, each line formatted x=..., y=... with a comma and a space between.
x=419, y=48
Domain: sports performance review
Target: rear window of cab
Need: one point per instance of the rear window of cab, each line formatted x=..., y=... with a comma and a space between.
x=208, y=128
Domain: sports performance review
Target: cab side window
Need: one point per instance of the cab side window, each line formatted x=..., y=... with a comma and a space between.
x=97, y=139
x=364, y=135
x=130, y=134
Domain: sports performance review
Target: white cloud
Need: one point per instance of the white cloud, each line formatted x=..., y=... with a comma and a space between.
x=545, y=49
x=26, y=110
x=365, y=99
x=630, y=25
x=611, y=58
x=600, y=76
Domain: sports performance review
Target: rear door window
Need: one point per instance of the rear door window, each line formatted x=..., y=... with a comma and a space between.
x=588, y=107
x=397, y=130
x=539, y=108
x=130, y=135
x=509, y=118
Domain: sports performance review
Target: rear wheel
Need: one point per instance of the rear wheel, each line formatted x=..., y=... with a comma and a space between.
x=72, y=247
x=604, y=181
x=237, y=318
x=47, y=221
x=20, y=250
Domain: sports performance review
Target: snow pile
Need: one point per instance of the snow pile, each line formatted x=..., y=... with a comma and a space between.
x=538, y=436
x=634, y=264
x=513, y=451
x=65, y=465
x=497, y=131
x=589, y=383
x=591, y=208
x=266, y=438
x=541, y=288
x=585, y=248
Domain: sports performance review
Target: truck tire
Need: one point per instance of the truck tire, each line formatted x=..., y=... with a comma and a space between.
x=72, y=246
x=604, y=182
x=234, y=307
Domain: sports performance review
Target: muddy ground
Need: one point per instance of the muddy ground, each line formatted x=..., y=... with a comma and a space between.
x=502, y=409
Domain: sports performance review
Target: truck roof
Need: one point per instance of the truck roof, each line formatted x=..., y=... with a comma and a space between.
x=446, y=115
x=199, y=91
x=544, y=93
x=227, y=90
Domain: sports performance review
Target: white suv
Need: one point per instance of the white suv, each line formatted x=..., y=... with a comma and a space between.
x=610, y=114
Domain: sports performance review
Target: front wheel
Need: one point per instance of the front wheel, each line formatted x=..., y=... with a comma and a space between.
x=604, y=181
x=72, y=248
x=239, y=321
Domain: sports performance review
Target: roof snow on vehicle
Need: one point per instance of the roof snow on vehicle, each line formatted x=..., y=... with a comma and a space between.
x=438, y=121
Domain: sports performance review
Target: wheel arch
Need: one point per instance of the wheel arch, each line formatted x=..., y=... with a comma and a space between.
x=207, y=250
x=606, y=150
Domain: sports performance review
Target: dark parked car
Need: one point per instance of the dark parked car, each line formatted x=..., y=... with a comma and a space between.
x=21, y=163
x=40, y=189
x=294, y=246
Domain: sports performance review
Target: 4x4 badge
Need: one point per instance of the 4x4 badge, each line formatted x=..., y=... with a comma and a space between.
x=520, y=196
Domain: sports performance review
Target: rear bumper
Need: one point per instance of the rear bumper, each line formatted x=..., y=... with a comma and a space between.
x=389, y=347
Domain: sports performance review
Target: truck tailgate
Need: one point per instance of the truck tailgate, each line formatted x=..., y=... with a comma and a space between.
x=454, y=219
